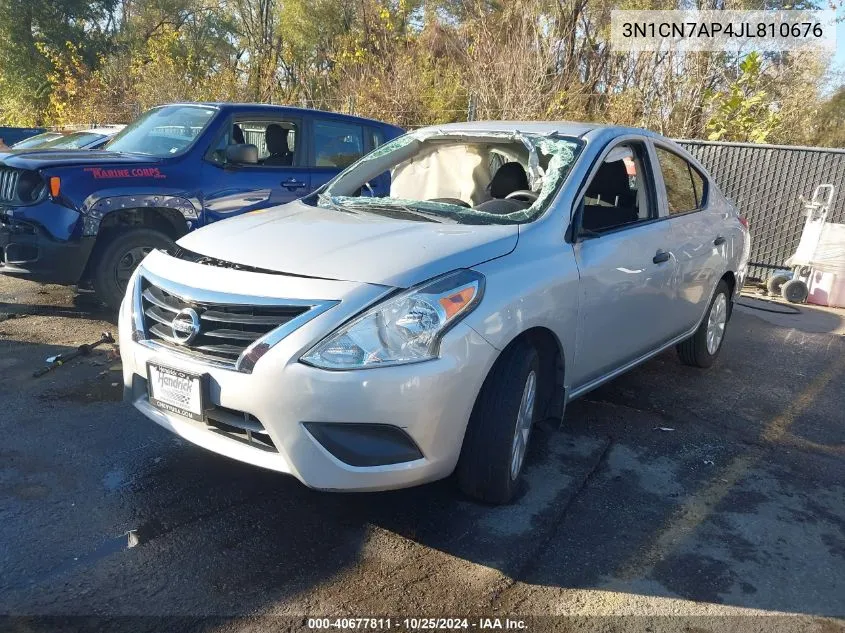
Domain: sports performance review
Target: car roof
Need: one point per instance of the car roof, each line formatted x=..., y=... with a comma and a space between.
x=566, y=128
x=226, y=106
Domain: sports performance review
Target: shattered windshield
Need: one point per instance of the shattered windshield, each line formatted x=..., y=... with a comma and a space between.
x=456, y=177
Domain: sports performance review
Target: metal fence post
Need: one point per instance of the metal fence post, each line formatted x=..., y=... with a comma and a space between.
x=472, y=108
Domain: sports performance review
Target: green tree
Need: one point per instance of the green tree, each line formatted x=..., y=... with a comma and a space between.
x=829, y=124
x=746, y=110
x=29, y=31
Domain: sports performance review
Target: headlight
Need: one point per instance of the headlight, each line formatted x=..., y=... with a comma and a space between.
x=406, y=328
x=30, y=186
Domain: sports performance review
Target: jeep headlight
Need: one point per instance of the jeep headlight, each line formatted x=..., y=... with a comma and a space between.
x=405, y=328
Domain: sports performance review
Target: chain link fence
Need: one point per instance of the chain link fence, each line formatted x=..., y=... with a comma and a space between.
x=765, y=182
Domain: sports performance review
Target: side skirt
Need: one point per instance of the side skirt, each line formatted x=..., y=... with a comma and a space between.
x=597, y=382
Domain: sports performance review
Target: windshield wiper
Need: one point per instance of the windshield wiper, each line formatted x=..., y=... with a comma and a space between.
x=325, y=201
x=369, y=205
x=405, y=209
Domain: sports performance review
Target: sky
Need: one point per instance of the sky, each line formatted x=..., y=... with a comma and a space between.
x=839, y=55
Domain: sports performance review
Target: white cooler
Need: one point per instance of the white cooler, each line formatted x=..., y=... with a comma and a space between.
x=827, y=281
x=827, y=289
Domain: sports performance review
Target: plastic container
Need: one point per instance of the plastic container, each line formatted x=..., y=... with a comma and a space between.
x=827, y=289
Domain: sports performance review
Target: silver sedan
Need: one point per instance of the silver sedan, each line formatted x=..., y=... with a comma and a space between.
x=368, y=343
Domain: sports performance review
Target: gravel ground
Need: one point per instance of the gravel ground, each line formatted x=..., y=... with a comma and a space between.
x=671, y=499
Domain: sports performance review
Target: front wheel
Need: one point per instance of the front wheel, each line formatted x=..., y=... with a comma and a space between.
x=702, y=348
x=496, y=441
x=120, y=258
x=795, y=291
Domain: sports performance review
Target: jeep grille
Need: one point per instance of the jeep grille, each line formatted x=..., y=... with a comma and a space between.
x=8, y=184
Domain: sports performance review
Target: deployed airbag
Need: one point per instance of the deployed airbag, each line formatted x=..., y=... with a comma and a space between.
x=442, y=171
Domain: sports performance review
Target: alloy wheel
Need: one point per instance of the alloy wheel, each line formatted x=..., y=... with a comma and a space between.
x=127, y=264
x=524, y=419
x=716, y=323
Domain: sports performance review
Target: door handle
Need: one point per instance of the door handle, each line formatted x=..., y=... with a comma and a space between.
x=661, y=257
x=719, y=241
x=293, y=183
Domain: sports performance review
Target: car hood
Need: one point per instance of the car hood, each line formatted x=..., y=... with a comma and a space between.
x=300, y=239
x=42, y=158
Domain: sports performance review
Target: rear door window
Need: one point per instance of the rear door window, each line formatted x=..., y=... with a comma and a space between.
x=337, y=144
x=685, y=186
x=275, y=140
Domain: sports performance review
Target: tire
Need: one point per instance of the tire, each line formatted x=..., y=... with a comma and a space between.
x=775, y=283
x=118, y=260
x=795, y=291
x=487, y=470
x=695, y=351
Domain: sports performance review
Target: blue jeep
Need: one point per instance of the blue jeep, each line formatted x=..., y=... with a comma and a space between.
x=89, y=217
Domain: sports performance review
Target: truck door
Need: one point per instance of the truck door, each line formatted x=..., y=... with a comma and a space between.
x=280, y=175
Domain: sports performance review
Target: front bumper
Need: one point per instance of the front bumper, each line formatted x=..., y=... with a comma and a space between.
x=430, y=402
x=28, y=249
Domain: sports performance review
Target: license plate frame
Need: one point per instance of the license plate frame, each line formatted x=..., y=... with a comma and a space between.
x=194, y=406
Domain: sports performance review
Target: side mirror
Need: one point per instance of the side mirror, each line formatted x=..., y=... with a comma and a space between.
x=244, y=154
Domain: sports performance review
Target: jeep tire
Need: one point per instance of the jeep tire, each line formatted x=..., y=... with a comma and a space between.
x=119, y=259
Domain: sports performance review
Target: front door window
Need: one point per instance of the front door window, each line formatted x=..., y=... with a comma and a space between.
x=618, y=194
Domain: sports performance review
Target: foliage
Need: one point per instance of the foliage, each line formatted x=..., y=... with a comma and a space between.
x=829, y=125
x=413, y=62
x=745, y=111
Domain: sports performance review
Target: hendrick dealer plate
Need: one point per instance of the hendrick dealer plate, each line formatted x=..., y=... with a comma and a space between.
x=176, y=391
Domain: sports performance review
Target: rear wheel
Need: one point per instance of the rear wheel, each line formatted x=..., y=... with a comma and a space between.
x=119, y=260
x=496, y=441
x=702, y=348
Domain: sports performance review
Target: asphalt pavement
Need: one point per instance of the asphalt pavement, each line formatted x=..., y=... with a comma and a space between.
x=671, y=499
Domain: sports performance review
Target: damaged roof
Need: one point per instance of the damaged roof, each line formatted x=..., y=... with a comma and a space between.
x=568, y=128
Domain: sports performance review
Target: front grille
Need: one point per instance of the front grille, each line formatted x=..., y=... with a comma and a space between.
x=225, y=330
x=8, y=184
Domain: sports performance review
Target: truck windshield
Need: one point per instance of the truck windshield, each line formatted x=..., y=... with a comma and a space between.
x=163, y=131
x=36, y=141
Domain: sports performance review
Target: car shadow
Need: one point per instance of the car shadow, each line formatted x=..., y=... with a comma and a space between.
x=82, y=308
x=803, y=318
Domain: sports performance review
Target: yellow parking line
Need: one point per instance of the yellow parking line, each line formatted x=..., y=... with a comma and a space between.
x=700, y=506
x=691, y=514
x=778, y=427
